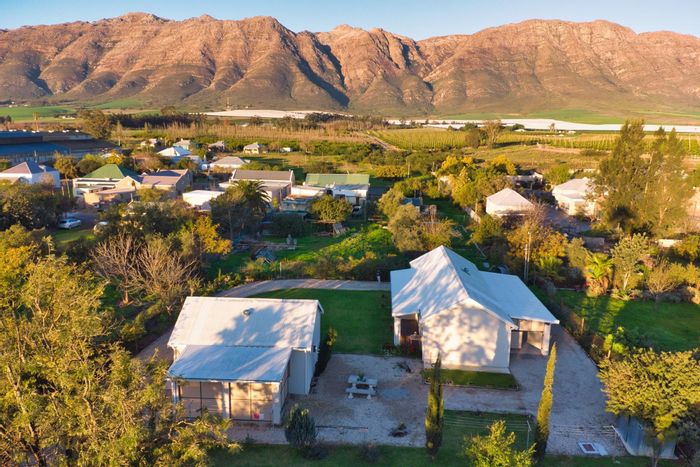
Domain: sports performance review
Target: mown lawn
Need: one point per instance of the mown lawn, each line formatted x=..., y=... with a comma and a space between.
x=362, y=319
x=665, y=326
x=64, y=237
x=475, y=378
x=457, y=426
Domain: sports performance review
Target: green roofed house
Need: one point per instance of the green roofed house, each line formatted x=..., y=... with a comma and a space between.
x=353, y=187
x=104, y=178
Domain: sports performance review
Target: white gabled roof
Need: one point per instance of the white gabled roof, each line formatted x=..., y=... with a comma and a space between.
x=234, y=322
x=508, y=198
x=441, y=279
x=229, y=160
x=222, y=363
x=174, y=151
x=574, y=188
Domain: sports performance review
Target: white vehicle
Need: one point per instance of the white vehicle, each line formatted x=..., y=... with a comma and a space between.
x=69, y=223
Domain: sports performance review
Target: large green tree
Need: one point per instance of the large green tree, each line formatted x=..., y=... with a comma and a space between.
x=658, y=389
x=70, y=396
x=96, y=122
x=644, y=191
x=627, y=257
x=242, y=206
x=331, y=210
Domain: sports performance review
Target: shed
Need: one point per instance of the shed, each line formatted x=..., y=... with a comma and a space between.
x=241, y=357
x=507, y=202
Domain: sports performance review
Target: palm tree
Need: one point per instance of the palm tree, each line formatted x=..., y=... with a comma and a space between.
x=255, y=200
x=598, y=270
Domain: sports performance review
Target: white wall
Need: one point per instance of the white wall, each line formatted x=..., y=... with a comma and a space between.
x=466, y=338
x=301, y=370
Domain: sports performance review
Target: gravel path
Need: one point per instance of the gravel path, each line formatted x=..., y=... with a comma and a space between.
x=160, y=345
x=578, y=412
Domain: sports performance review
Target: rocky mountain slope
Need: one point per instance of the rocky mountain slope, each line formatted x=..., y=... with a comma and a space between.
x=203, y=62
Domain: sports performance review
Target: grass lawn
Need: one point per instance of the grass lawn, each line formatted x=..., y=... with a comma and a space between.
x=27, y=113
x=475, y=378
x=64, y=237
x=457, y=426
x=666, y=326
x=362, y=319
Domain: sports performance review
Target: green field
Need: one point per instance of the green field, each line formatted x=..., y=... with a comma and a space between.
x=666, y=326
x=362, y=319
x=19, y=114
x=120, y=104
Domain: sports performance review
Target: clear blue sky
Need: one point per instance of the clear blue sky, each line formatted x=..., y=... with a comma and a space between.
x=417, y=19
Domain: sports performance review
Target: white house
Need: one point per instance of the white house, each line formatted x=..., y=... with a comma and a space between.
x=471, y=318
x=199, y=199
x=255, y=148
x=228, y=163
x=507, y=202
x=240, y=357
x=576, y=196
x=30, y=172
x=176, y=153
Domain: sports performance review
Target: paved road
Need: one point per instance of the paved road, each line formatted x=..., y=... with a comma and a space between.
x=254, y=288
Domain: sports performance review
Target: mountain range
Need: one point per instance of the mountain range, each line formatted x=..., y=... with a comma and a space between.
x=256, y=62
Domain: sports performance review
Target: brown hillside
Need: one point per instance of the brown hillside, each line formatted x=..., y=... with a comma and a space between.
x=202, y=62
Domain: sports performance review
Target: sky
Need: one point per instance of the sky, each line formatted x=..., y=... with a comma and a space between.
x=416, y=19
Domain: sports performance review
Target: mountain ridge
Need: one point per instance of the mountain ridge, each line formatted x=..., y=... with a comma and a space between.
x=204, y=62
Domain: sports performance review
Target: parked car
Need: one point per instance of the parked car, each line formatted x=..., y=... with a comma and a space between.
x=100, y=226
x=69, y=223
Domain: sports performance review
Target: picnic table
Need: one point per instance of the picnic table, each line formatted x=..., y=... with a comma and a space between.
x=361, y=386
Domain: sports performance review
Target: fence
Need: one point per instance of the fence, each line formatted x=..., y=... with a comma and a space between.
x=473, y=424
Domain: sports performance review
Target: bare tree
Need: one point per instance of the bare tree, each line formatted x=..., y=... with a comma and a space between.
x=164, y=273
x=115, y=260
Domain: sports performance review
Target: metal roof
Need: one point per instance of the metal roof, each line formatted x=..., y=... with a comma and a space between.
x=222, y=363
x=263, y=175
x=111, y=171
x=337, y=179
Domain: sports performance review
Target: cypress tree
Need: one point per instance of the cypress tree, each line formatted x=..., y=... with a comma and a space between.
x=435, y=411
x=545, y=406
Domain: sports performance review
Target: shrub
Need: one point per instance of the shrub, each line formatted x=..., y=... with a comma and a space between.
x=545, y=406
x=317, y=451
x=435, y=412
x=300, y=428
x=285, y=223
x=325, y=351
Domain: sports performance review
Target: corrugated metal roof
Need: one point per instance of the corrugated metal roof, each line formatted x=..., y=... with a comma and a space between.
x=28, y=168
x=245, y=322
x=30, y=148
x=336, y=179
x=112, y=171
x=222, y=363
x=441, y=279
x=263, y=175
x=508, y=198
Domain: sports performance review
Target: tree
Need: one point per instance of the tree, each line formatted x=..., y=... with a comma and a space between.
x=89, y=163
x=627, y=256
x=325, y=351
x=503, y=165
x=435, y=412
x=545, y=406
x=492, y=129
x=598, y=271
x=300, y=428
x=96, y=122
x=115, y=260
x=662, y=278
x=496, y=449
x=406, y=230
x=437, y=232
x=658, y=389
x=164, y=274
x=66, y=166
x=71, y=397
x=472, y=138
x=390, y=201
x=644, y=193
x=151, y=195
x=559, y=174
x=330, y=210
x=168, y=110
x=489, y=235
x=200, y=240
x=32, y=206
x=242, y=206
x=288, y=223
